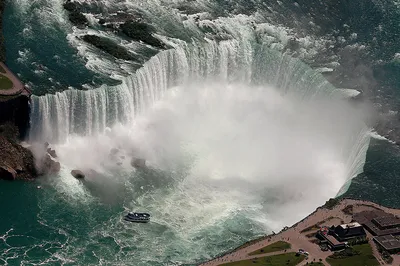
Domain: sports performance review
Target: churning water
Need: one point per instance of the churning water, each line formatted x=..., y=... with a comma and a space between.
x=240, y=137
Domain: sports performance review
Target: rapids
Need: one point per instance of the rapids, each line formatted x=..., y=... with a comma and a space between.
x=234, y=136
x=241, y=132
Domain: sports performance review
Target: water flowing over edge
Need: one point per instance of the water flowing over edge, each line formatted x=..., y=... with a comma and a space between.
x=75, y=112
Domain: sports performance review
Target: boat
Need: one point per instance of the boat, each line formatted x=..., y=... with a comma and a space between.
x=137, y=217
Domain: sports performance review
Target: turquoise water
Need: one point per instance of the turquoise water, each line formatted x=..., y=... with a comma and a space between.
x=379, y=182
x=70, y=223
x=35, y=52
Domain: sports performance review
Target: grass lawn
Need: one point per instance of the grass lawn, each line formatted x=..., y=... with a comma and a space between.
x=277, y=246
x=365, y=258
x=287, y=259
x=5, y=83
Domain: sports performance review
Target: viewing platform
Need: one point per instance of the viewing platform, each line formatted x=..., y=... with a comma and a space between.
x=10, y=85
x=341, y=232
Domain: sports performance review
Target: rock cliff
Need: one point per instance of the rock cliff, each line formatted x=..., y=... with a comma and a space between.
x=16, y=161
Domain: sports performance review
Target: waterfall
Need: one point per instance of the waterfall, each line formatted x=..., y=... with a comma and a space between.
x=76, y=112
x=56, y=116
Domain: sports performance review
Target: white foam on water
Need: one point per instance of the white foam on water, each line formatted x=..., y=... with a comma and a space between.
x=221, y=156
x=173, y=27
x=376, y=135
x=234, y=141
x=50, y=13
x=349, y=93
x=232, y=131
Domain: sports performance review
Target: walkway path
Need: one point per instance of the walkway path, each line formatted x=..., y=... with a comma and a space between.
x=299, y=240
x=18, y=88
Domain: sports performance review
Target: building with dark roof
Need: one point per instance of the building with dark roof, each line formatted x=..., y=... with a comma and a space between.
x=345, y=232
x=332, y=243
x=337, y=237
x=389, y=243
x=387, y=222
x=378, y=222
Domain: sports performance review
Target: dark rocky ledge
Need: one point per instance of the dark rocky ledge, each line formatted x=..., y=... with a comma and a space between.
x=140, y=31
x=109, y=47
x=75, y=14
x=16, y=161
x=16, y=111
x=129, y=24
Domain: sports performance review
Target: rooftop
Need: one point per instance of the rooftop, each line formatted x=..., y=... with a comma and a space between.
x=365, y=218
x=388, y=242
x=332, y=240
x=386, y=221
x=350, y=225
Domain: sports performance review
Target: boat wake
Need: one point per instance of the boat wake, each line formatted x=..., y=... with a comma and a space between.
x=254, y=138
x=238, y=138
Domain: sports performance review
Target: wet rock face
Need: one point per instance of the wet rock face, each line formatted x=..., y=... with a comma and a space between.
x=48, y=166
x=109, y=47
x=138, y=163
x=78, y=174
x=140, y=31
x=16, y=162
x=16, y=111
x=7, y=173
x=75, y=14
x=52, y=152
x=46, y=163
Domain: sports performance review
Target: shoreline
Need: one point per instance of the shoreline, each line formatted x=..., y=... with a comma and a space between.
x=237, y=253
x=18, y=88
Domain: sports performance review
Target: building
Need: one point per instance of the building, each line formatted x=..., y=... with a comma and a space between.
x=336, y=238
x=387, y=222
x=332, y=243
x=378, y=222
x=346, y=232
x=389, y=243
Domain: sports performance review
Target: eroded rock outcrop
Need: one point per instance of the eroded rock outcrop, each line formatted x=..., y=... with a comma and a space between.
x=52, y=152
x=16, y=162
x=75, y=14
x=138, y=163
x=78, y=174
x=7, y=173
x=48, y=166
x=140, y=31
x=108, y=46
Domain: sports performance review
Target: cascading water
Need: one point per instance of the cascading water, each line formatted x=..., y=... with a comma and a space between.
x=239, y=138
x=55, y=118
x=224, y=87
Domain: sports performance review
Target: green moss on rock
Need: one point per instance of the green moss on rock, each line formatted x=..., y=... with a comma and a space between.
x=331, y=203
